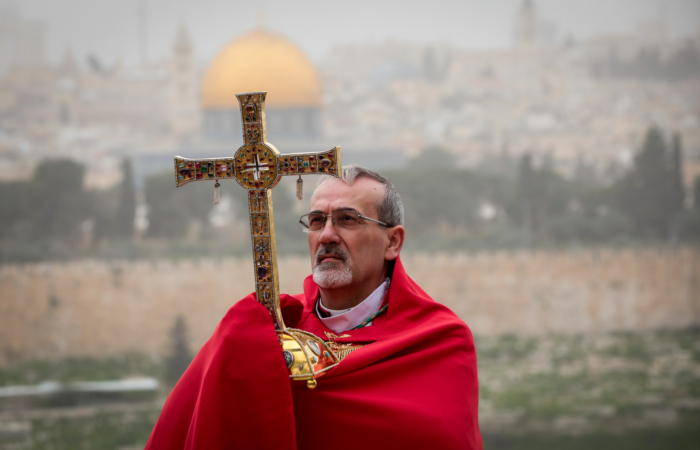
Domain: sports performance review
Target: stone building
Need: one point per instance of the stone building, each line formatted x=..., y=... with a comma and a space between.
x=60, y=108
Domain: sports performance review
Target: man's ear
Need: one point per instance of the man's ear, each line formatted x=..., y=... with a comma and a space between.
x=396, y=236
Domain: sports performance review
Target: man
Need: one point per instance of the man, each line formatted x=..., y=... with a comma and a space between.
x=407, y=378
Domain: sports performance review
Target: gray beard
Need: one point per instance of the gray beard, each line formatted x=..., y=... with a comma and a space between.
x=332, y=275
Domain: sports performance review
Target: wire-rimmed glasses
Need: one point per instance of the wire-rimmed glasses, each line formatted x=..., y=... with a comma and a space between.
x=343, y=219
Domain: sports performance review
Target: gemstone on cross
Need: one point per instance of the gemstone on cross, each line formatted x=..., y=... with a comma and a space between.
x=256, y=167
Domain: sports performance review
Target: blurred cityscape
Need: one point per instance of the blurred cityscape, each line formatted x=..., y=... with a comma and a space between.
x=552, y=194
x=570, y=102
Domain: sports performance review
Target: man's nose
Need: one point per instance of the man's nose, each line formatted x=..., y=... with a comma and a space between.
x=328, y=233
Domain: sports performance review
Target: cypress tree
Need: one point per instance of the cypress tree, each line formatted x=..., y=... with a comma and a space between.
x=59, y=203
x=645, y=191
x=676, y=194
x=526, y=196
x=180, y=355
x=126, y=212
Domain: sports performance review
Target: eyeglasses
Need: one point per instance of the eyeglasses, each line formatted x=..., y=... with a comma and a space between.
x=346, y=220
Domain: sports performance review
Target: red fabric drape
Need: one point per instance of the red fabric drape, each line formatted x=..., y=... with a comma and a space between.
x=413, y=384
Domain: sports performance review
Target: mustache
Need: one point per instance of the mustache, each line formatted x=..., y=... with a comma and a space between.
x=332, y=250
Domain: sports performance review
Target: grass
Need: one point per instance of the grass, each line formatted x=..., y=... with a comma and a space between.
x=620, y=391
x=605, y=381
x=81, y=369
x=102, y=431
x=683, y=437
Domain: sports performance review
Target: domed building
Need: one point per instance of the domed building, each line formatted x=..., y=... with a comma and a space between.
x=262, y=61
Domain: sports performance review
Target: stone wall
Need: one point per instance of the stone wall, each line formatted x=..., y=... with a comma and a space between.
x=93, y=308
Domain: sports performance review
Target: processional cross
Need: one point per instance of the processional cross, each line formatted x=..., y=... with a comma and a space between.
x=258, y=166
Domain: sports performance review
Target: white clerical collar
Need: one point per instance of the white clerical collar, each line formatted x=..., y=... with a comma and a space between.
x=347, y=319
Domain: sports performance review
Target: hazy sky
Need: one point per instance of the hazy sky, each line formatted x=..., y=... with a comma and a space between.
x=110, y=28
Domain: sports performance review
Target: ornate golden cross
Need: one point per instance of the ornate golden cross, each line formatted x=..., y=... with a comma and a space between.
x=258, y=166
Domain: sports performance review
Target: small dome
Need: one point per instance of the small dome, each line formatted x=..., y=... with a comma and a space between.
x=261, y=61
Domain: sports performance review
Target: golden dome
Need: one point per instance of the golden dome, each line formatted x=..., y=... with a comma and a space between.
x=261, y=61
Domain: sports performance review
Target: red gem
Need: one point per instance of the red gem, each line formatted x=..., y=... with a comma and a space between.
x=199, y=175
x=250, y=183
x=311, y=158
x=238, y=167
x=314, y=169
x=252, y=193
x=248, y=159
x=256, y=184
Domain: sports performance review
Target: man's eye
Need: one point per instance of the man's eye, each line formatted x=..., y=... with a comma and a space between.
x=347, y=218
x=315, y=219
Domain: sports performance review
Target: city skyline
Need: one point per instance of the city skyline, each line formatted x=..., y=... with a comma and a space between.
x=115, y=30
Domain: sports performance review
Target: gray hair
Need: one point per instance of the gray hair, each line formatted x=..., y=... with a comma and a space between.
x=389, y=207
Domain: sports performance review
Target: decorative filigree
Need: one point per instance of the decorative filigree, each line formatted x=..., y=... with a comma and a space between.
x=261, y=247
x=250, y=109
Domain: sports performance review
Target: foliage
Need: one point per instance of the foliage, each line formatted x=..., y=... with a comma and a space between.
x=449, y=210
x=558, y=391
x=104, y=430
x=603, y=381
x=541, y=195
x=651, y=194
x=126, y=212
x=44, y=215
x=171, y=210
x=180, y=355
x=80, y=369
x=53, y=217
x=683, y=437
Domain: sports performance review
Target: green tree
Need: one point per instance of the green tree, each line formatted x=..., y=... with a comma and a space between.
x=431, y=208
x=180, y=355
x=684, y=63
x=689, y=223
x=41, y=218
x=526, y=196
x=58, y=202
x=126, y=211
x=676, y=194
x=676, y=190
x=645, y=193
x=15, y=206
x=171, y=209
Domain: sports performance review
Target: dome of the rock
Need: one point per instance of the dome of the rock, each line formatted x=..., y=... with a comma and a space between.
x=261, y=61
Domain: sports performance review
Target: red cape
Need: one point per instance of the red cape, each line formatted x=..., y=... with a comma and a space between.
x=413, y=385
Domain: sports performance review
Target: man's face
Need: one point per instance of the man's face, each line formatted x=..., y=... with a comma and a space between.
x=349, y=258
